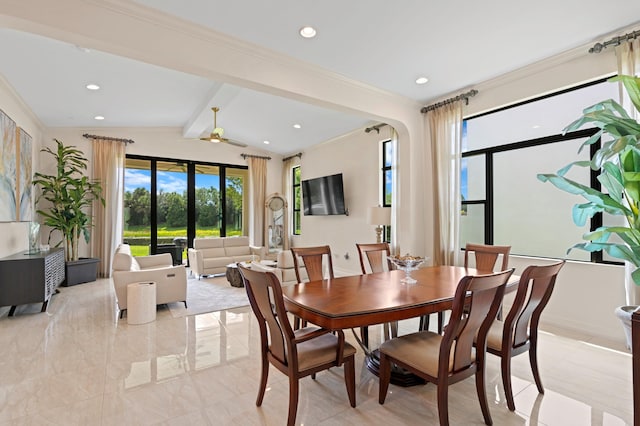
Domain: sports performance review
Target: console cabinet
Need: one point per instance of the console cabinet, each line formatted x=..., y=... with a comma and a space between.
x=30, y=277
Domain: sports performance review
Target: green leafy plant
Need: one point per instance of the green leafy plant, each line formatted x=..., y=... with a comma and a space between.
x=70, y=192
x=618, y=161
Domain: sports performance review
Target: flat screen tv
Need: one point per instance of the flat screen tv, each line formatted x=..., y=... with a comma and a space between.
x=323, y=196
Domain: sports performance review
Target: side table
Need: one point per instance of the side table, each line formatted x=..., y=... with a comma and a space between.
x=141, y=302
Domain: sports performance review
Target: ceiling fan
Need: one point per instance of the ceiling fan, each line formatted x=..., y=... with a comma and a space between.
x=216, y=134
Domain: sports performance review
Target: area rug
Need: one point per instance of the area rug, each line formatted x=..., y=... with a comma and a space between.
x=209, y=295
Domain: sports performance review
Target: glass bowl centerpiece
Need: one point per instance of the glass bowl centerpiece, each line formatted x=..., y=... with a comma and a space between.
x=407, y=263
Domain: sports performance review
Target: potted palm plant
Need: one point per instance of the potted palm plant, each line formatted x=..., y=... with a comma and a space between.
x=618, y=162
x=69, y=193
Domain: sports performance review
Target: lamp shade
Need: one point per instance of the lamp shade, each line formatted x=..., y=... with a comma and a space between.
x=379, y=216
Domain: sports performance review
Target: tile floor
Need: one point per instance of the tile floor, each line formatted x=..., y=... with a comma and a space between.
x=78, y=364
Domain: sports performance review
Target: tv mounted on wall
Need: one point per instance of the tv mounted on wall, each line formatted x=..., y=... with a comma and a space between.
x=323, y=196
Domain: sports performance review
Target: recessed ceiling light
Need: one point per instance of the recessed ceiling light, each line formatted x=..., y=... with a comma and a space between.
x=308, y=32
x=93, y=86
x=98, y=117
x=266, y=142
x=421, y=80
x=297, y=126
x=535, y=126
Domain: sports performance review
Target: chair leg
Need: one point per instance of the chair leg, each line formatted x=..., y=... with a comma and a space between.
x=482, y=395
x=424, y=323
x=393, y=328
x=384, y=377
x=533, y=359
x=350, y=379
x=440, y=322
x=505, y=360
x=364, y=336
x=293, y=401
x=313, y=376
x=443, y=403
x=264, y=375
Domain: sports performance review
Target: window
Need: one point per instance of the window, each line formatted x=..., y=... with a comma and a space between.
x=169, y=201
x=297, y=199
x=502, y=200
x=387, y=157
x=387, y=187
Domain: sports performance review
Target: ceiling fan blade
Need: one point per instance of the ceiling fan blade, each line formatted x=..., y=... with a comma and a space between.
x=236, y=143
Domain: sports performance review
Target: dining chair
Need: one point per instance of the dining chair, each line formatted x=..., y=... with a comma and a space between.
x=452, y=357
x=312, y=258
x=485, y=257
x=518, y=333
x=373, y=257
x=297, y=353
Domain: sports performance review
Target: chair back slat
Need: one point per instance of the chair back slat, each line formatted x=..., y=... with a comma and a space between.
x=312, y=258
x=475, y=306
x=265, y=297
x=376, y=254
x=534, y=291
x=486, y=256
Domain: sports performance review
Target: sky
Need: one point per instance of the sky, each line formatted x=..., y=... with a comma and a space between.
x=167, y=181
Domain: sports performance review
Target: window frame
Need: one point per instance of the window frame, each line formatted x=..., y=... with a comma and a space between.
x=488, y=153
x=297, y=227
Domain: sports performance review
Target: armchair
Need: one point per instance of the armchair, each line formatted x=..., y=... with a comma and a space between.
x=171, y=281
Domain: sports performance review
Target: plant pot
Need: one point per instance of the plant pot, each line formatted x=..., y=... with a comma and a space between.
x=79, y=271
x=624, y=314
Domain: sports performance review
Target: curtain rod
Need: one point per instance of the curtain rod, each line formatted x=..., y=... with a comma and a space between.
x=377, y=128
x=471, y=93
x=615, y=41
x=107, y=138
x=299, y=155
x=245, y=156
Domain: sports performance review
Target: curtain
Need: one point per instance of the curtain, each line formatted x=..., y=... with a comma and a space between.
x=108, y=168
x=445, y=132
x=628, y=56
x=287, y=184
x=257, y=193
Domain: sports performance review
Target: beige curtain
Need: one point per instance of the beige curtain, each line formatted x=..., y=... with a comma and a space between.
x=287, y=184
x=628, y=56
x=108, y=168
x=257, y=193
x=445, y=132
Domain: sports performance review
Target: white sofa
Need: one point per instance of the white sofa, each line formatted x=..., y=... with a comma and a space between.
x=210, y=256
x=284, y=269
x=171, y=281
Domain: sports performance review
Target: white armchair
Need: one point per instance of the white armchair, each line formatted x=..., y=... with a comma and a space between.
x=171, y=281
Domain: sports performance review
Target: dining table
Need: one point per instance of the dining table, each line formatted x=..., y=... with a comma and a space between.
x=382, y=297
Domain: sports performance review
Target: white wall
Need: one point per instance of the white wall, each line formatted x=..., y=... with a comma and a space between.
x=15, y=234
x=357, y=157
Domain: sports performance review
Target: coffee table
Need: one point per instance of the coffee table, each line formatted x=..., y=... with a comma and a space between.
x=233, y=274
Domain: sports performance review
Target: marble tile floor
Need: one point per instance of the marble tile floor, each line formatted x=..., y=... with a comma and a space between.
x=78, y=364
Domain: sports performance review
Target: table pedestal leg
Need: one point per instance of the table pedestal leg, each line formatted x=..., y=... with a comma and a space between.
x=399, y=376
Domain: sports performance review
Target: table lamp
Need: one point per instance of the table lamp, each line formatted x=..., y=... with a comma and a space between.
x=381, y=217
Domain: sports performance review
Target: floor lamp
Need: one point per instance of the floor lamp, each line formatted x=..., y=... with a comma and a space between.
x=380, y=217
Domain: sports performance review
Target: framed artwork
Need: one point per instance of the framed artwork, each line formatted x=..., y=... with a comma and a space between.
x=8, y=169
x=24, y=190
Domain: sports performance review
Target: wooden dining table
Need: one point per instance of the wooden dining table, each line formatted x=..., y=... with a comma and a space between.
x=382, y=297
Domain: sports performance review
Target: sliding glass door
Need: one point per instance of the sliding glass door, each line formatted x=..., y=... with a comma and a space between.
x=170, y=202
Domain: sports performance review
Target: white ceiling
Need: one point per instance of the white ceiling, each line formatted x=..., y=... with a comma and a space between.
x=384, y=44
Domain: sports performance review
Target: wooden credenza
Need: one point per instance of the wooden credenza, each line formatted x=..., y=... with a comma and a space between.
x=30, y=277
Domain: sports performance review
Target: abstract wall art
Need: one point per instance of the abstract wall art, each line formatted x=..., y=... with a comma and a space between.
x=8, y=169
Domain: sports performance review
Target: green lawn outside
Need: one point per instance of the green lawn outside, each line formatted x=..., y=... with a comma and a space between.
x=166, y=232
